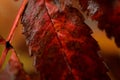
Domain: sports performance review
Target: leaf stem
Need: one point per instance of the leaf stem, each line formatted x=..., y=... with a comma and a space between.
x=3, y=56
x=12, y=31
x=10, y=36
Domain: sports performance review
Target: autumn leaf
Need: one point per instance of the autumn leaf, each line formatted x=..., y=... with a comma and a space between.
x=61, y=42
x=109, y=21
x=106, y=12
x=14, y=69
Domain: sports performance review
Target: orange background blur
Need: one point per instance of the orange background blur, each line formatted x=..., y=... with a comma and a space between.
x=8, y=11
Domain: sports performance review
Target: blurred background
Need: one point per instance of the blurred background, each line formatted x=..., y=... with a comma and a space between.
x=8, y=11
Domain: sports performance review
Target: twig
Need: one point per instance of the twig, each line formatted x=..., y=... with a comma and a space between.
x=12, y=31
x=10, y=36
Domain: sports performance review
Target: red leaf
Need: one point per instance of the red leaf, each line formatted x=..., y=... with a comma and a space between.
x=107, y=14
x=15, y=68
x=109, y=21
x=61, y=42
